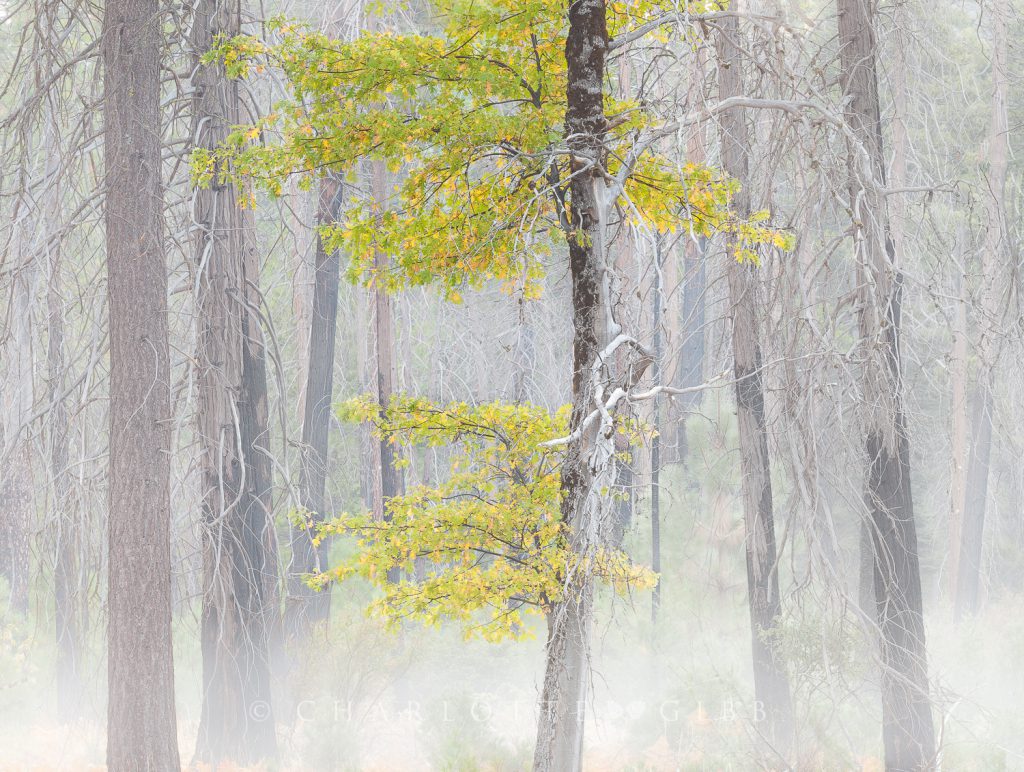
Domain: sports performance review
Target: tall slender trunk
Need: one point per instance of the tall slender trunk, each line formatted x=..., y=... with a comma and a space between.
x=306, y=607
x=559, y=745
x=392, y=480
x=771, y=682
x=16, y=397
x=689, y=366
x=67, y=619
x=141, y=724
x=906, y=712
x=658, y=300
x=992, y=258
x=239, y=561
x=959, y=427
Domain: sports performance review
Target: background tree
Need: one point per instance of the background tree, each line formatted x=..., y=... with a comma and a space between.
x=240, y=568
x=906, y=709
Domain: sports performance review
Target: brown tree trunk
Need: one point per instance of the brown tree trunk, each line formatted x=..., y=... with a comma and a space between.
x=239, y=561
x=906, y=711
x=141, y=725
x=993, y=256
x=305, y=606
x=771, y=683
x=559, y=745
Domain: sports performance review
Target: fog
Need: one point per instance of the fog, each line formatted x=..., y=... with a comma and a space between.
x=501, y=386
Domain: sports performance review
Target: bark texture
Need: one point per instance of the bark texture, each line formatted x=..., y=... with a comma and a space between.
x=771, y=682
x=907, y=727
x=239, y=557
x=141, y=726
x=559, y=745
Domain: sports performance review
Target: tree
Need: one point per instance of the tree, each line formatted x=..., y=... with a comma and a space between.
x=141, y=726
x=771, y=682
x=993, y=258
x=239, y=561
x=906, y=710
x=306, y=607
x=501, y=121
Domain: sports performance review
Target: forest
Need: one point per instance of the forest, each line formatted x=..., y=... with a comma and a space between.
x=549, y=385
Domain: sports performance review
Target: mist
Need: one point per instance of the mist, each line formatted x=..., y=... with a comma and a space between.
x=553, y=385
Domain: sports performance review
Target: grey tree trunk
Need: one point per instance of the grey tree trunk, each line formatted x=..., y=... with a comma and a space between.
x=658, y=300
x=67, y=593
x=392, y=479
x=993, y=258
x=771, y=682
x=16, y=397
x=305, y=606
x=141, y=725
x=239, y=557
x=906, y=711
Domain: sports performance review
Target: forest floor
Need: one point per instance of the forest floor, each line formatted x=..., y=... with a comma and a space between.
x=670, y=697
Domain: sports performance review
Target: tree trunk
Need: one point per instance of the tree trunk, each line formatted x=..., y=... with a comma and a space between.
x=239, y=561
x=305, y=606
x=559, y=745
x=141, y=725
x=993, y=256
x=67, y=618
x=771, y=683
x=392, y=480
x=959, y=427
x=906, y=712
x=657, y=319
x=16, y=487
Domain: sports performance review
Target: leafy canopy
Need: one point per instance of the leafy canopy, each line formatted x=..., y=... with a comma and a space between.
x=468, y=117
x=489, y=539
x=471, y=115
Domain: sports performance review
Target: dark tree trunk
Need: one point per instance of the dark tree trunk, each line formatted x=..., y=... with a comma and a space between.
x=305, y=606
x=771, y=683
x=559, y=745
x=239, y=556
x=141, y=726
x=906, y=711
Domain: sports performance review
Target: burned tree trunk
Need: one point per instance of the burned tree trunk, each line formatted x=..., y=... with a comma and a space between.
x=906, y=711
x=239, y=560
x=771, y=683
x=141, y=725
